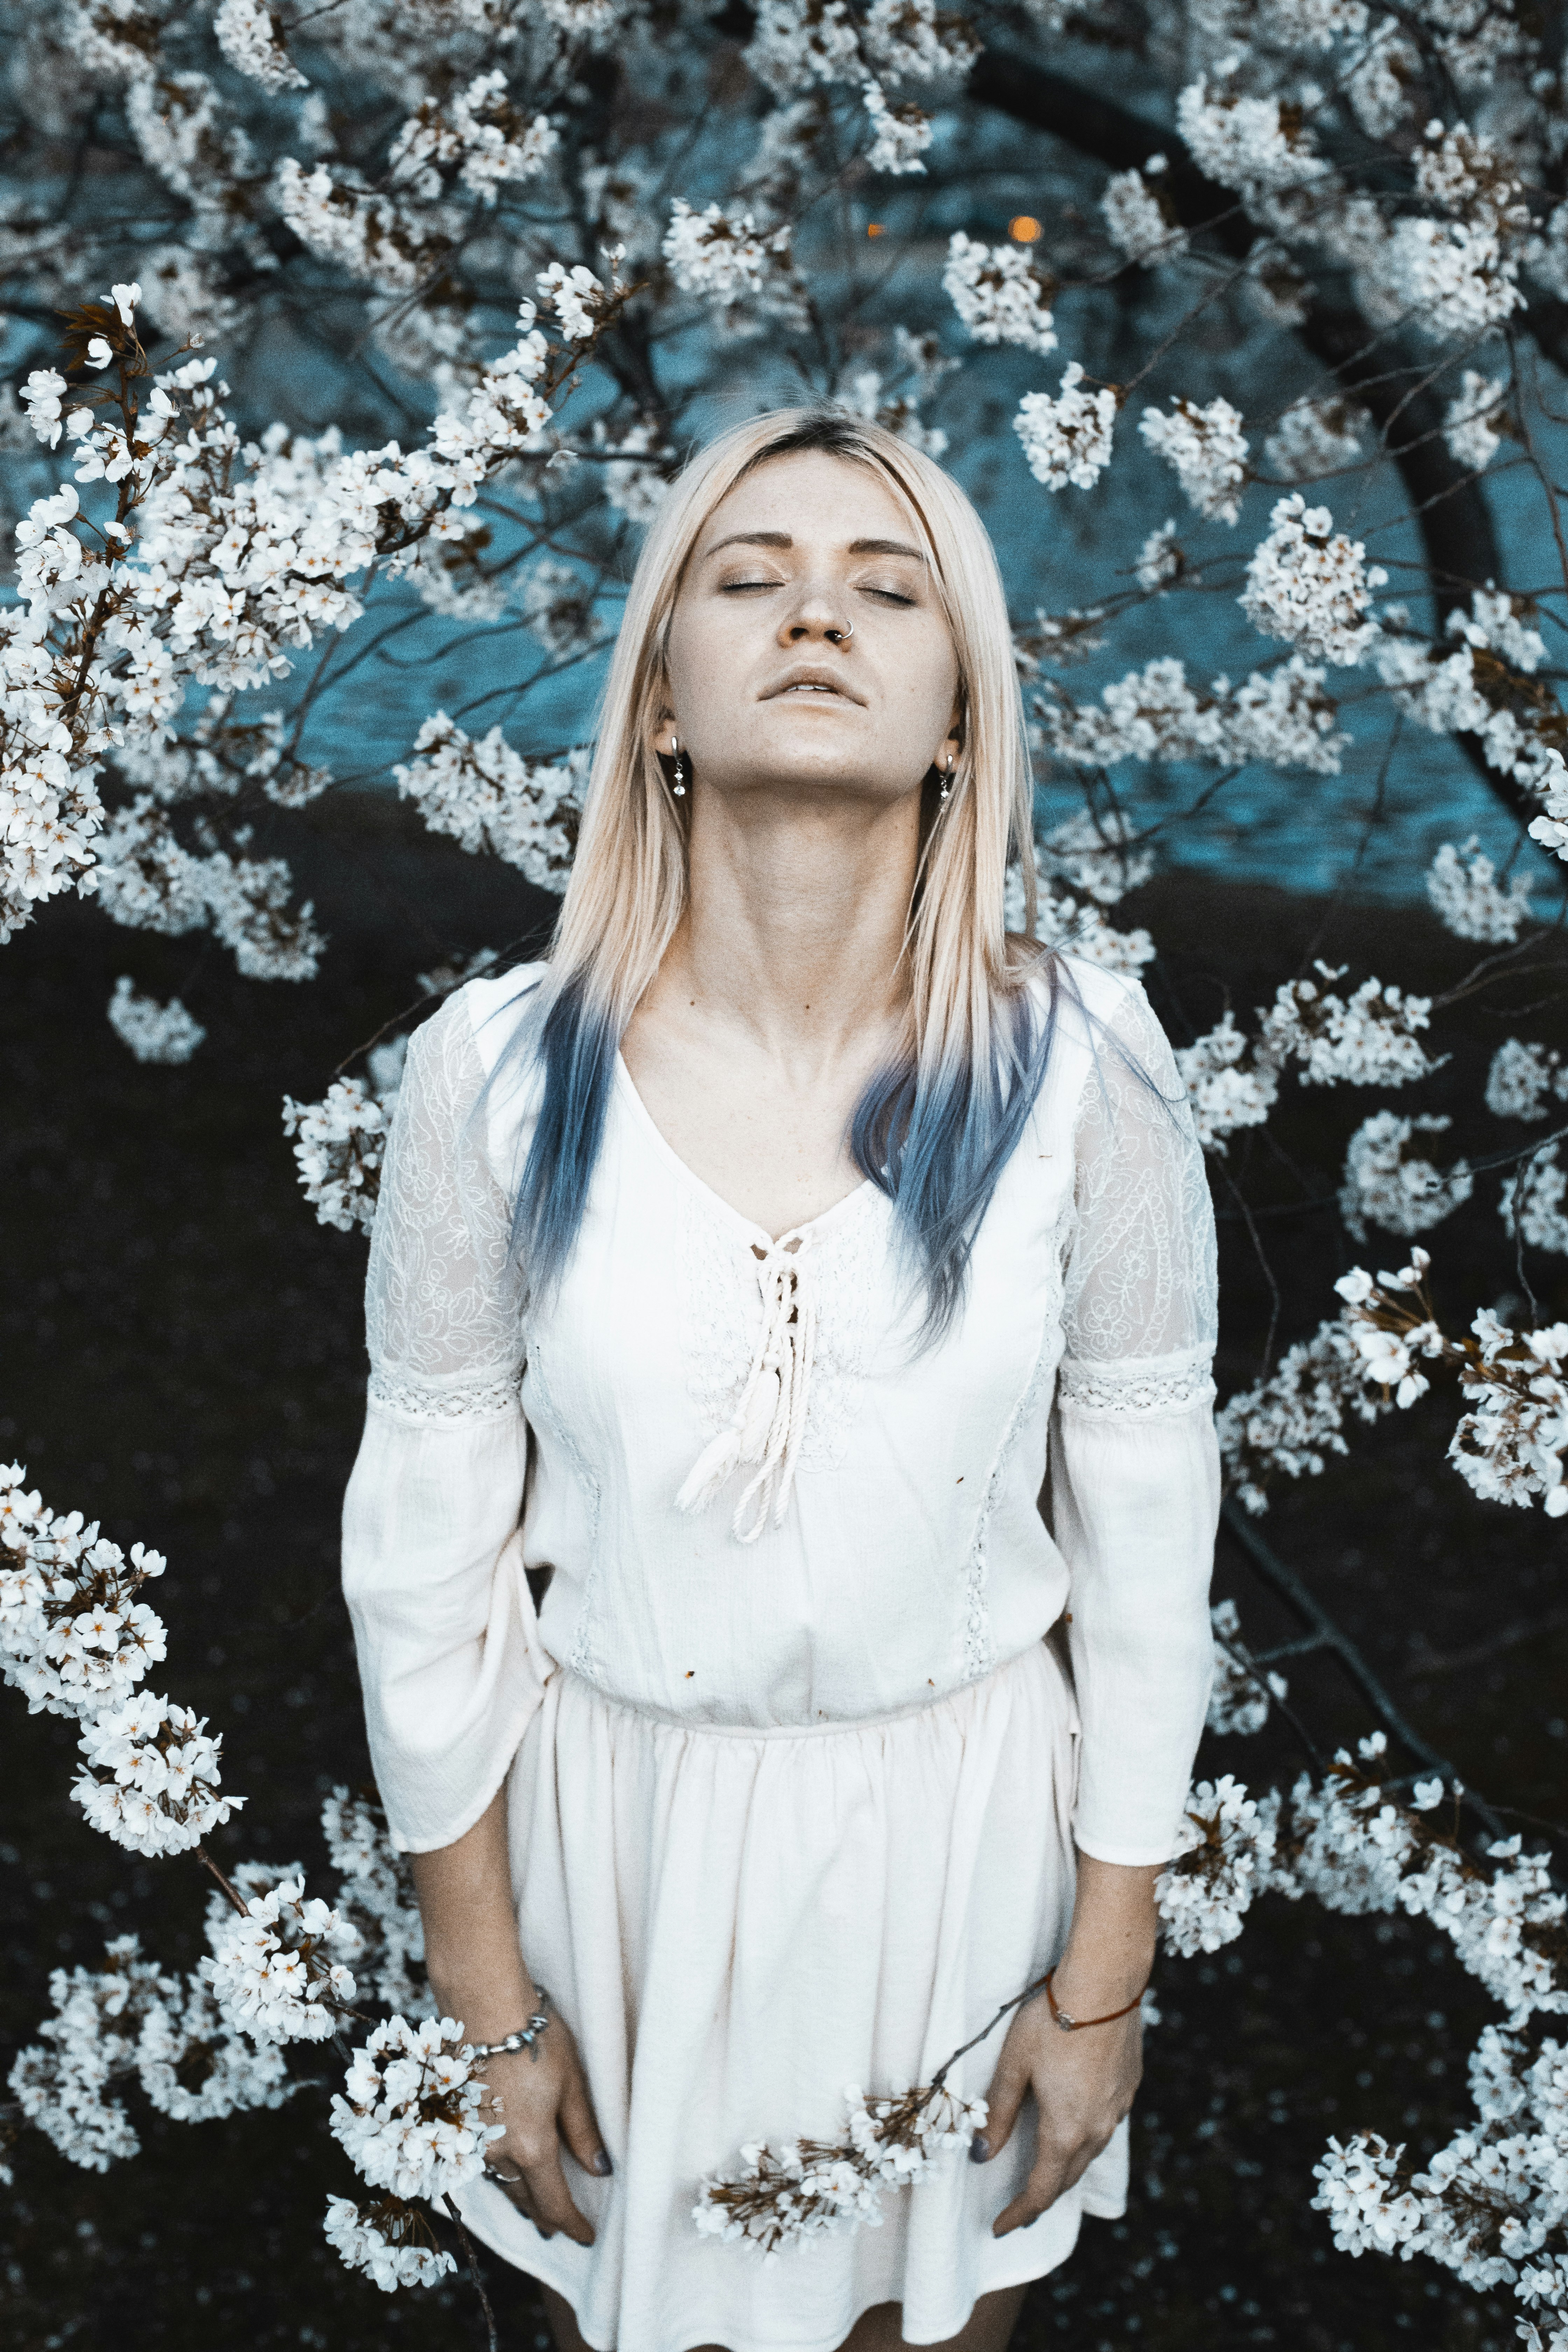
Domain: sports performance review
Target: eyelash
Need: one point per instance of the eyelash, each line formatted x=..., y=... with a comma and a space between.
x=747, y=587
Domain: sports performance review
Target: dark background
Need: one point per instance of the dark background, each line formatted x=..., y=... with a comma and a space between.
x=181, y=1357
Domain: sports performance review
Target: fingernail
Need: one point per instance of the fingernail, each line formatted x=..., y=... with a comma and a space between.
x=980, y=2150
x=602, y=2164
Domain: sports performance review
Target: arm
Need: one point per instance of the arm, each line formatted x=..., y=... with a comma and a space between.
x=1134, y=1494
x=444, y=1627
x=448, y=1651
x=478, y=1973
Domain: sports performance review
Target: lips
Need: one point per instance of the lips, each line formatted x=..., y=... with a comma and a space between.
x=808, y=684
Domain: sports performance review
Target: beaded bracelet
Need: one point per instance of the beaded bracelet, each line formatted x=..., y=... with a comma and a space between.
x=1077, y=2024
x=525, y=2038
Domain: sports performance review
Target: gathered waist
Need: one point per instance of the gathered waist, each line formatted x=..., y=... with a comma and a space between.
x=1038, y=1656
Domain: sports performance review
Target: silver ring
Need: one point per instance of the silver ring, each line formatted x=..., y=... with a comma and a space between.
x=504, y=2180
x=840, y=636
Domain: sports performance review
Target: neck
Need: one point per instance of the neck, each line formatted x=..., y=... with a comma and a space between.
x=796, y=917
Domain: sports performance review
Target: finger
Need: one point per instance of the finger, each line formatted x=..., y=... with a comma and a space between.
x=579, y=2129
x=1003, y=2101
x=553, y=2200
x=517, y=2193
x=1039, y=2192
x=1055, y=2171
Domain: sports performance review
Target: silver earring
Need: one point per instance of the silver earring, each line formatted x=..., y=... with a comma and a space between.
x=947, y=782
x=678, y=787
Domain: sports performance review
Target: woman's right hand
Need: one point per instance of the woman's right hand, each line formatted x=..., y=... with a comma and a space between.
x=542, y=2097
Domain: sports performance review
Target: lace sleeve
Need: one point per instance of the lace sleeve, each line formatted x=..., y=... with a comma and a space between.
x=442, y=1305
x=1139, y=1310
x=1134, y=1479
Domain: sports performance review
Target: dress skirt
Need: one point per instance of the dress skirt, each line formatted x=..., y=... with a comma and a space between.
x=737, y=1924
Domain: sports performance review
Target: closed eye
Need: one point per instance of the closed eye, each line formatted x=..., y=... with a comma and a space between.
x=745, y=587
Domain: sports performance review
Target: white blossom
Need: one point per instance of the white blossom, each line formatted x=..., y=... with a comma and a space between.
x=74, y=1637
x=1099, y=854
x=154, y=1031
x=1385, y=1184
x=279, y=1971
x=1316, y=437
x=900, y=134
x=152, y=1776
x=408, y=2114
x=793, y=45
x=1291, y=1422
x=1551, y=830
x=1522, y=1076
x=487, y=796
x=365, y=2241
x=1471, y=422
x=1159, y=559
x=1079, y=928
x=1229, y=1085
x=1535, y=1202
x=1137, y=221
x=999, y=295
x=376, y=1899
x=1240, y=1693
x=1250, y=143
x=558, y=604
x=1224, y=1855
x=1366, y=1040
x=803, y=2188
x=1067, y=440
x=249, y=35
x=1310, y=584
x=1208, y=449
x=195, y=2068
x=725, y=259
x=61, y=2081
x=1462, y=886
x=343, y=1140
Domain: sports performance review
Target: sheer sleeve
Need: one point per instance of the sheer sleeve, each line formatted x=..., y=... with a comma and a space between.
x=444, y=1624
x=1134, y=1487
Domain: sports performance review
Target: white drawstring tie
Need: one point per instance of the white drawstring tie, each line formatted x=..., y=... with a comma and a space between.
x=769, y=1422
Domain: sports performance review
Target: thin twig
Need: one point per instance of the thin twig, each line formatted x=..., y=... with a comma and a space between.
x=472, y=2260
x=1291, y=1588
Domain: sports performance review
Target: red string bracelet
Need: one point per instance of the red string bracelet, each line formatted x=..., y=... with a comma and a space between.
x=1077, y=2024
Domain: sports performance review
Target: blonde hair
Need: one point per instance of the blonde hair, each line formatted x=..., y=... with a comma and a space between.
x=628, y=885
x=934, y=1131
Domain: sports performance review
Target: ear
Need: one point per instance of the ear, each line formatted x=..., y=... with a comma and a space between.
x=950, y=749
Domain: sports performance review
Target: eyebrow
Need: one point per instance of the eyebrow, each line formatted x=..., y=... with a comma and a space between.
x=783, y=539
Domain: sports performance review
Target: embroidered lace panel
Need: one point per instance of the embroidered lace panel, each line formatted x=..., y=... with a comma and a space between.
x=480, y=1399
x=442, y=1306
x=1134, y=1391
x=1140, y=1290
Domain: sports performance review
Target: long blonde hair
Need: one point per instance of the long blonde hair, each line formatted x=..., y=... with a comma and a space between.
x=935, y=1130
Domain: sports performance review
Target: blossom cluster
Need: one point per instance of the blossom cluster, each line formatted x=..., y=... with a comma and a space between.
x=1510, y=1447
x=342, y=1144
x=1367, y=1039
x=805, y=2187
x=488, y=797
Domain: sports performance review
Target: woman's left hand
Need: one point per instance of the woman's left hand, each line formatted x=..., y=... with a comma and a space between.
x=1083, y=2083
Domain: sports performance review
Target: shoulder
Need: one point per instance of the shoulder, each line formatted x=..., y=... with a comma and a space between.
x=477, y=1020
x=1082, y=1006
x=491, y=1007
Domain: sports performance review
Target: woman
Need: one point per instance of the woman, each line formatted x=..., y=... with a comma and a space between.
x=815, y=1287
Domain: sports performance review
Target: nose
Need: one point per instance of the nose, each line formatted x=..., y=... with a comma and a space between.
x=819, y=617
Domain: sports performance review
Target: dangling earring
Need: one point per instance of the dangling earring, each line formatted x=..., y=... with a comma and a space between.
x=946, y=784
x=678, y=787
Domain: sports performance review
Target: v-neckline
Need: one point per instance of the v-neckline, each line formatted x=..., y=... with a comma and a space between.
x=726, y=1210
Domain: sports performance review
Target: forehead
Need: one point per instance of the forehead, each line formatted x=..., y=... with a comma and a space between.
x=814, y=498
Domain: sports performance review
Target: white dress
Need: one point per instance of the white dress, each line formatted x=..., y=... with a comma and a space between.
x=793, y=1806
